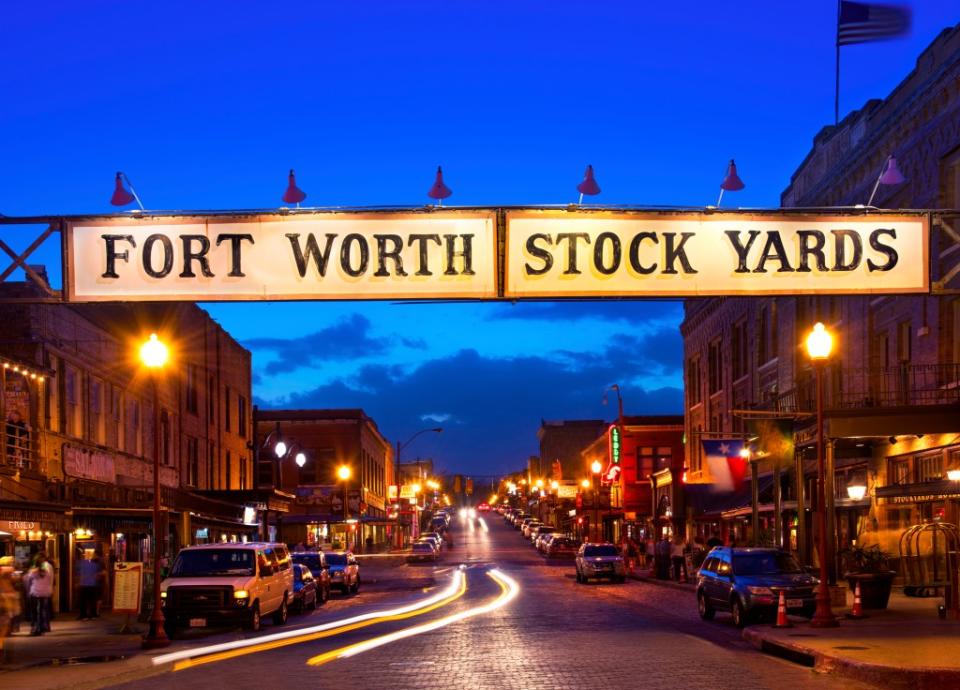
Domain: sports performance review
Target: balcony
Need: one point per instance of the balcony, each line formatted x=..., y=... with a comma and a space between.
x=906, y=385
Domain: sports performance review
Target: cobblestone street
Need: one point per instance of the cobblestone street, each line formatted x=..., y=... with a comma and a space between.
x=555, y=634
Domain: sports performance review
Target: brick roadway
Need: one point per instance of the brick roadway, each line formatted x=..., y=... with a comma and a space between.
x=556, y=634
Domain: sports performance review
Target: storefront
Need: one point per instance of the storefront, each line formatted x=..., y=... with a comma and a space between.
x=27, y=528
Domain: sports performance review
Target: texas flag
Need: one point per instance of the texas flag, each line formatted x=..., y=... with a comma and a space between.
x=727, y=467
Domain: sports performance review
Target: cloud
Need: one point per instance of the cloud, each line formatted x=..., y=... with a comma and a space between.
x=348, y=339
x=497, y=402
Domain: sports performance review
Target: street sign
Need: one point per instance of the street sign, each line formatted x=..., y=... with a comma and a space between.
x=127, y=587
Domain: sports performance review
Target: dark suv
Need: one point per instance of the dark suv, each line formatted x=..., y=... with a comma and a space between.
x=748, y=582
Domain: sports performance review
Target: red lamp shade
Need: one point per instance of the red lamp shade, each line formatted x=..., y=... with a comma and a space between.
x=732, y=182
x=121, y=197
x=293, y=195
x=589, y=185
x=892, y=174
x=439, y=190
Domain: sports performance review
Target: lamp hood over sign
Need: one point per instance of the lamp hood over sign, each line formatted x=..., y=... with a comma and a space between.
x=293, y=195
x=121, y=197
x=439, y=190
x=589, y=184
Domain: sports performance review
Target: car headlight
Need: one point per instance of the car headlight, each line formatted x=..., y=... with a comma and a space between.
x=760, y=591
x=163, y=599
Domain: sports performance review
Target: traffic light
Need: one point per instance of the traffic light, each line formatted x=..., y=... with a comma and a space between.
x=456, y=484
x=469, y=486
x=580, y=520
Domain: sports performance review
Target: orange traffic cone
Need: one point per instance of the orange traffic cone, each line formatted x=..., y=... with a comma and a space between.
x=857, y=612
x=782, y=620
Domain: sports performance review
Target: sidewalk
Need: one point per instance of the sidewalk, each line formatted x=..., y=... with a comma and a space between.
x=905, y=647
x=71, y=640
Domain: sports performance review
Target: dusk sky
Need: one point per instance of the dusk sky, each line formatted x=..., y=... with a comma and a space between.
x=206, y=105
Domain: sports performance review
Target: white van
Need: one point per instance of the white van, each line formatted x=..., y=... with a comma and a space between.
x=222, y=584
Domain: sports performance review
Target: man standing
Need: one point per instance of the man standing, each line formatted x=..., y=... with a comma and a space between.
x=40, y=591
x=88, y=577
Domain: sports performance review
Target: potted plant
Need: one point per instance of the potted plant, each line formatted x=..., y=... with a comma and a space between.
x=870, y=567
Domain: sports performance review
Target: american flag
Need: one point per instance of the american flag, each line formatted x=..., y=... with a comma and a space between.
x=860, y=22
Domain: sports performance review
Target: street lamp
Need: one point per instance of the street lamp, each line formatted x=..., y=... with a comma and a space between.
x=343, y=473
x=596, y=468
x=400, y=447
x=819, y=344
x=154, y=355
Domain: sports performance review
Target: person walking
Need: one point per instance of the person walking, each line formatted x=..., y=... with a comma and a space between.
x=676, y=557
x=88, y=577
x=40, y=591
x=9, y=602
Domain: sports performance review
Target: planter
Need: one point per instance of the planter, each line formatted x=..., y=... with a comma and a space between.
x=874, y=588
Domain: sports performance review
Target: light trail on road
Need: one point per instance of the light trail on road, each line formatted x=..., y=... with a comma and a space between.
x=204, y=655
x=509, y=589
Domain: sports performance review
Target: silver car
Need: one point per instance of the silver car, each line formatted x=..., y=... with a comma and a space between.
x=595, y=561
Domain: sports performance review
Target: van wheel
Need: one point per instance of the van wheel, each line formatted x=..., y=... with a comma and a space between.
x=254, y=623
x=280, y=616
x=703, y=607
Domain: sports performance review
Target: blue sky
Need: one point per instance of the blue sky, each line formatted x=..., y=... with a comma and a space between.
x=207, y=105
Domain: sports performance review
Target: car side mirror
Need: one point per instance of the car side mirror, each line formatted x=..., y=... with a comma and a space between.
x=266, y=570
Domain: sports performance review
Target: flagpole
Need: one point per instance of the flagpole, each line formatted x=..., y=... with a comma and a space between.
x=836, y=92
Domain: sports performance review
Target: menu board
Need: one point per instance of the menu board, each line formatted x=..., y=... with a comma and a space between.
x=127, y=587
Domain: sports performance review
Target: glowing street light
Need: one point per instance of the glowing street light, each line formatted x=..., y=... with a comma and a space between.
x=280, y=449
x=819, y=344
x=343, y=472
x=301, y=459
x=596, y=467
x=154, y=353
x=585, y=483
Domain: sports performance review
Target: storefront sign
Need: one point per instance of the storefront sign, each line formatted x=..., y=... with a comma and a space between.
x=614, y=445
x=442, y=254
x=595, y=254
x=406, y=491
x=17, y=525
x=89, y=464
x=127, y=586
x=203, y=533
x=567, y=491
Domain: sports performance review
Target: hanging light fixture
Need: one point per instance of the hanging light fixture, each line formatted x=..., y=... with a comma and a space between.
x=122, y=197
x=731, y=181
x=589, y=184
x=857, y=488
x=293, y=195
x=891, y=175
x=439, y=190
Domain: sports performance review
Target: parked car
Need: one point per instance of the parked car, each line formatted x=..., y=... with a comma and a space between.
x=423, y=551
x=562, y=547
x=317, y=563
x=215, y=584
x=438, y=523
x=483, y=507
x=435, y=536
x=304, y=589
x=747, y=582
x=527, y=524
x=537, y=530
x=596, y=561
x=543, y=541
x=344, y=571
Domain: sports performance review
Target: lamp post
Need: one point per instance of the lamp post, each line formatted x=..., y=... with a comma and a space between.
x=819, y=344
x=596, y=468
x=400, y=447
x=154, y=355
x=343, y=473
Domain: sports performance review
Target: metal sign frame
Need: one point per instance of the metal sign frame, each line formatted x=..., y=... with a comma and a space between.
x=942, y=242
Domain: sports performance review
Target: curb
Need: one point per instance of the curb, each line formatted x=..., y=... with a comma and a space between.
x=663, y=583
x=881, y=675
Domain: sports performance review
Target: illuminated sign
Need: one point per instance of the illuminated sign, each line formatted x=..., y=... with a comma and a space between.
x=552, y=253
x=441, y=254
x=615, y=445
x=493, y=254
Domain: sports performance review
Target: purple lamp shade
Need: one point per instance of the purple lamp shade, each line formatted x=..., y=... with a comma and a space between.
x=293, y=195
x=589, y=185
x=732, y=182
x=439, y=190
x=121, y=197
x=892, y=175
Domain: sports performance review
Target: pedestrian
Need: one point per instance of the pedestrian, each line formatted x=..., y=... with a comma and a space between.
x=662, y=558
x=650, y=552
x=88, y=578
x=676, y=557
x=714, y=540
x=18, y=437
x=9, y=602
x=40, y=591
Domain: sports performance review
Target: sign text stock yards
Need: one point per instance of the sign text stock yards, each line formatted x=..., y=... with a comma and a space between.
x=458, y=254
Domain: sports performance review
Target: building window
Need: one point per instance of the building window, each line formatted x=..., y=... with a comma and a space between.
x=242, y=462
x=899, y=471
x=693, y=381
x=715, y=367
x=73, y=408
x=211, y=466
x=211, y=401
x=929, y=467
x=242, y=416
x=191, y=396
x=228, y=462
x=98, y=421
x=763, y=344
x=116, y=418
x=226, y=408
x=903, y=342
x=646, y=463
x=740, y=349
x=193, y=461
x=164, y=437
x=134, y=440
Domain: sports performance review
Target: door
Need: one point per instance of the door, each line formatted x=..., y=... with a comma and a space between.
x=724, y=580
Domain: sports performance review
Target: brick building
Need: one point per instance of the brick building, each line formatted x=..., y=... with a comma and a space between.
x=893, y=384
x=328, y=440
x=561, y=442
x=83, y=425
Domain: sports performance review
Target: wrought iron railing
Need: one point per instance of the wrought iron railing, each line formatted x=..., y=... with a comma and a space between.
x=19, y=449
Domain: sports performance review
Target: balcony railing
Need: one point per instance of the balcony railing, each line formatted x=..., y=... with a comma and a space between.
x=872, y=387
x=19, y=451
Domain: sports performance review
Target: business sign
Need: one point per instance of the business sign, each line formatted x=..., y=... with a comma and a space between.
x=688, y=254
x=89, y=464
x=127, y=587
x=493, y=253
x=442, y=254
